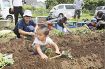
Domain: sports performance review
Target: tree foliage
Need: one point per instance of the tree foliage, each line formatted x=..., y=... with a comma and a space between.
x=51, y=3
x=92, y=4
x=88, y=4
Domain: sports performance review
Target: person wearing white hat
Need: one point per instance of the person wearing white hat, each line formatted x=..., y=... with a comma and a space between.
x=25, y=26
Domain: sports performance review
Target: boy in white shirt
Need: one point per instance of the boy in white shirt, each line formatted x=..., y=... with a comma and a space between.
x=43, y=41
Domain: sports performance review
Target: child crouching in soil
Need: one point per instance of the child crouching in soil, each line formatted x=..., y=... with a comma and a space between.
x=43, y=41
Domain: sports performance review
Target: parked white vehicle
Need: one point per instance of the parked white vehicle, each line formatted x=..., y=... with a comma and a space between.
x=4, y=9
x=100, y=8
x=62, y=10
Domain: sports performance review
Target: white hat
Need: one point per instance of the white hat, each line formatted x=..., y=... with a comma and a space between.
x=27, y=13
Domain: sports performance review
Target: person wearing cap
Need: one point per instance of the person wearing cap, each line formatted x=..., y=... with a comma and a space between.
x=26, y=26
x=17, y=8
x=100, y=16
x=100, y=20
x=93, y=24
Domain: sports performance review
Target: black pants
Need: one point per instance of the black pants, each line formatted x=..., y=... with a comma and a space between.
x=17, y=32
x=77, y=14
x=101, y=26
x=17, y=11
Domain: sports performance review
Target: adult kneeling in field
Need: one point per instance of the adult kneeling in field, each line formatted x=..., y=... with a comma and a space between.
x=26, y=26
x=100, y=20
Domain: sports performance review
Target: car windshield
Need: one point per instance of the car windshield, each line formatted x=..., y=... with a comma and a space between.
x=69, y=6
x=6, y=3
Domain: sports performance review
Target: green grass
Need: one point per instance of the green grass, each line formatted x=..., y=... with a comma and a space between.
x=84, y=16
x=35, y=15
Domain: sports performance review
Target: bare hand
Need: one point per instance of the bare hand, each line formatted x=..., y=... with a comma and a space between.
x=31, y=33
x=58, y=52
x=44, y=56
x=48, y=22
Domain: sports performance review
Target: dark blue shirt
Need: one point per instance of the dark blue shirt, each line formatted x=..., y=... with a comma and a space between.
x=26, y=27
x=61, y=21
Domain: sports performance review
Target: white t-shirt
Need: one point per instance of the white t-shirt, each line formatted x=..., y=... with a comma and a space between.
x=78, y=4
x=17, y=3
x=48, y=41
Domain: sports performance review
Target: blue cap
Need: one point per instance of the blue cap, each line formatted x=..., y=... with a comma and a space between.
x=94, y=20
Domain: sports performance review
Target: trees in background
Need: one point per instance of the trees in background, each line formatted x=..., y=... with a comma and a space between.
x=89, y=4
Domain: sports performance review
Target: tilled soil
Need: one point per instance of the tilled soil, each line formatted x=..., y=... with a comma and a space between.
x=87, y=51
